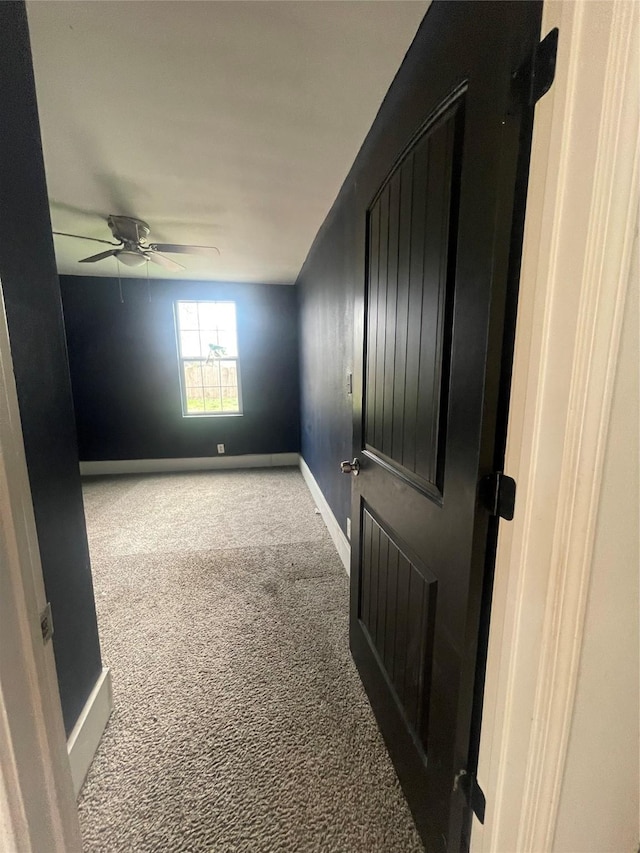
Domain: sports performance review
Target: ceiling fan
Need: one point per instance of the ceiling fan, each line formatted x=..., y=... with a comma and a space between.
x=132, y=247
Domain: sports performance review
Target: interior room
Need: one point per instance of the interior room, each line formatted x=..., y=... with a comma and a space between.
x=320, y=458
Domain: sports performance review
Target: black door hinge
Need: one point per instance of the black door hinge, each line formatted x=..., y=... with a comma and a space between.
x=535, y=76
x=474, y=795
x=497, y=493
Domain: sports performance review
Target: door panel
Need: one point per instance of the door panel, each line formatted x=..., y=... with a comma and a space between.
x=411, y=275
x=398, y=612
x=438, y=194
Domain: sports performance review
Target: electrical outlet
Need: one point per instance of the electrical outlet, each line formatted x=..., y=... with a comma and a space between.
x=221, y=448
x=349, y=529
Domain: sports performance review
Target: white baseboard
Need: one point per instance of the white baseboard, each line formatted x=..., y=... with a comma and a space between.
x=200, y=463
x=335, y=531
x=85, y=737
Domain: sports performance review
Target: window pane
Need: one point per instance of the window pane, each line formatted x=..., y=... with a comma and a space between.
x=206, y=338
x=211, y=345
x=227, y=315
x=212, y=399
x=211, y=373
x=195, y=403
x=192, y=375
x=230, y=399
x=209, y=314
x=190, y=344
x=218, y=315
x=229, y=373
x=188, y=315
x=229, y=342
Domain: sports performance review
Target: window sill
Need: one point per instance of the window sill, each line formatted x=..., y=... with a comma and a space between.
x=214, y=415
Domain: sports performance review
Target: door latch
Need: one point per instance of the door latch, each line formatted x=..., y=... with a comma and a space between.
x=352, y=467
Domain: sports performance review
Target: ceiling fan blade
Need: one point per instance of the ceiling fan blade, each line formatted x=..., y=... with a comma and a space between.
x=98, y=257
x=167, y=263
x=82, y=237
x=180, y=249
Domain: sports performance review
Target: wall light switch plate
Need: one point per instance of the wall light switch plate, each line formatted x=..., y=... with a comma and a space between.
x=221, y=448
x=349, y=529
x=349, y=382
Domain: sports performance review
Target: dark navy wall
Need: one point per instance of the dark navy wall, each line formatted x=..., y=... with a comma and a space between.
x=32, y=301
x=331, y=282
x=125, y=370
x=326, y=288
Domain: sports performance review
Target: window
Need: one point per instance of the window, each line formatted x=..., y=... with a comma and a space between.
x=208, y=352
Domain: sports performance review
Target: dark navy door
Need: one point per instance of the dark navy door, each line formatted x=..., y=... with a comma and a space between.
x=442, y=210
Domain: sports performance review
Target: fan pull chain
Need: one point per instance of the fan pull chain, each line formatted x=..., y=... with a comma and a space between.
x=119, y=281
x=148, y=285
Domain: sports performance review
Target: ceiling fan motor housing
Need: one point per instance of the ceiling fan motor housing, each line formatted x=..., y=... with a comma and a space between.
x=127, y=229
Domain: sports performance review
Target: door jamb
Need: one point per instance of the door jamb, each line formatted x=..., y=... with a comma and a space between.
x=37, y=807
x=579, y=230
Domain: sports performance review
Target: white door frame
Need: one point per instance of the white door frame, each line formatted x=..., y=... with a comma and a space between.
x=581, y=220
x=37, y=805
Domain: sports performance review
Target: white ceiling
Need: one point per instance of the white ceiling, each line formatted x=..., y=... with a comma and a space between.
x=230, y=124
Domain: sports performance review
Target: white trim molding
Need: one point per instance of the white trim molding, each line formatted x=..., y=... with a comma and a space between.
x=581, y=221
x=200, y=463
x=37, y=806
x=335, y=531
x=89, y=728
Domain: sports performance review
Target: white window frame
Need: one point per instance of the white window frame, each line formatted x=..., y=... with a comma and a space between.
x=182, y=359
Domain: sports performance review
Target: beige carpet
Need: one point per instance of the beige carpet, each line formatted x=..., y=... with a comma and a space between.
x=240, y=723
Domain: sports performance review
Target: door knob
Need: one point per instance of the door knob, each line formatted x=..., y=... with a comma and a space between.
x=352, y=467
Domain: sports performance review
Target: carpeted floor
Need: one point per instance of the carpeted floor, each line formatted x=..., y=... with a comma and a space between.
x=240, y=723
